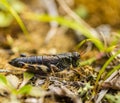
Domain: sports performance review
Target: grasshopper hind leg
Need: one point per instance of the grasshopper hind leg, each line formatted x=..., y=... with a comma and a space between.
x=54, y=68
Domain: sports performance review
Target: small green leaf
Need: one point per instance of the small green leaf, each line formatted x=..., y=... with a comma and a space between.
x=3, y=80
x=113, y=98
x=25, y=89
x=28, y=75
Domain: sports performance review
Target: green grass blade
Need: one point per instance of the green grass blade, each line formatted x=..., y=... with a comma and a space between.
x=87, y=62
x=81, y=43
x=110, y=48
x=14, y=13
x=104, y=67
x=69, y=23
x=112, y=71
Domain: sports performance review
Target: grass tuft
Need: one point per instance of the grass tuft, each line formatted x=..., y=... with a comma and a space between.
x=68, y=23
x=15, y=15
x=104, y=67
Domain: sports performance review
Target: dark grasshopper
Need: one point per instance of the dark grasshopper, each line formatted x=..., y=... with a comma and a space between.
x=47, y=63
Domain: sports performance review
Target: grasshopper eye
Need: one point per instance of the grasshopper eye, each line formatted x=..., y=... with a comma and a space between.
x=21, y=64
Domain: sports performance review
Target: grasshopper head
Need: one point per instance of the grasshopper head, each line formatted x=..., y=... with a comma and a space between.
x=75, y=59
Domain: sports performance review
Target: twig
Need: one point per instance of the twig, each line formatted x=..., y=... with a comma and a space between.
x=51, y=8
x=72, y=14
x=103, y=92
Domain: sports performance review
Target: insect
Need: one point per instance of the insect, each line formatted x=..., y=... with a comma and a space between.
x=47, y=63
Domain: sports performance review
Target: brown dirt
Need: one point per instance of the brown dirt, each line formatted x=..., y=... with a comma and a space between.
x=102, y=12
